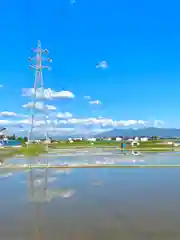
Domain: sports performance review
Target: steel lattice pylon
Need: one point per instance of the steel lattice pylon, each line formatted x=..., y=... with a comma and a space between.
x=38, y=89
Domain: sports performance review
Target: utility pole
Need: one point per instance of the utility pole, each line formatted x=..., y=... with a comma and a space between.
x=38, y=89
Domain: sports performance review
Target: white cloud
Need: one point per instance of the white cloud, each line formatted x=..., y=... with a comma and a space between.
x=104, y=122
x=40, y=93
x=87, y=97
x=46, y=93
x=12, y=114
x=62, y=94
x=68, y=131
x=95, y=102
x=78, y=121
x=56, y=129
x=50, y=107
x=39, y=106
x=101, y=121
x=8, y=114
x=24, y=121
x=12, y=123
x=62, y=122
x=4, y=122
x=64, y=115
x=74, y=126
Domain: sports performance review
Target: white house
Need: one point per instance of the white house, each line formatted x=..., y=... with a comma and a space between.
x=118, y=139
x=130, y=140
x=75, y=139
x=78, y=139
x=144, y=139
x=91, y=139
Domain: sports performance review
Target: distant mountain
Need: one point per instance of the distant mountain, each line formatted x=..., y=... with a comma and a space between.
x=161, y=132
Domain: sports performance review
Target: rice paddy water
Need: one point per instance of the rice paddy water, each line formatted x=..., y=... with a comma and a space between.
x=91, y=203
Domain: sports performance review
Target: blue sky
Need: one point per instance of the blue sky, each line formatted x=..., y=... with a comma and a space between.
x=140, y=40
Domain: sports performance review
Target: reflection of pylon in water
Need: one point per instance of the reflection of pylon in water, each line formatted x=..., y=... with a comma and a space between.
x=40, y=194
x=38, y=90
x=38, y=197
x=38, y=185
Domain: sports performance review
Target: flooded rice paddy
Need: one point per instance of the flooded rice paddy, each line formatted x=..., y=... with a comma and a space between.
x=102, y=203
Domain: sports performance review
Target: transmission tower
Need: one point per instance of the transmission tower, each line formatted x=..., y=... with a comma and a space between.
x=38, y=89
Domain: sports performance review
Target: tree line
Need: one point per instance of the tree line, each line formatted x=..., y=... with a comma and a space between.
x=14, y=137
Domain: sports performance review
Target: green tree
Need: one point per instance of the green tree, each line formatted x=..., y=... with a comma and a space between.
x=21, y=139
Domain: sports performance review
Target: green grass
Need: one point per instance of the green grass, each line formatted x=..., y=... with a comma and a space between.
x=32, y=150
x=7, y=153
x=85, y=143
x=149, y=144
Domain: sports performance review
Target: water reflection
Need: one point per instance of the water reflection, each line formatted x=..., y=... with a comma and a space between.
x=135, y=153
x=63, y=171
x=38, y=181
x=92, y=204
x=97, y=183
x=6, y=175
x=42, y=193
x=115, y=157
x=1, y=162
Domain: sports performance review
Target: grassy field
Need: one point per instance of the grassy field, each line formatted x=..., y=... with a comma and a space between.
x=32, y=150
x=156, y=144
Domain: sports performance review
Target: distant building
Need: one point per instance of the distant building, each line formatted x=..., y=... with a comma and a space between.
x=144, y=139
x=118, y=139
x=91, y=139
x=130, y=140
x=75, y=139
